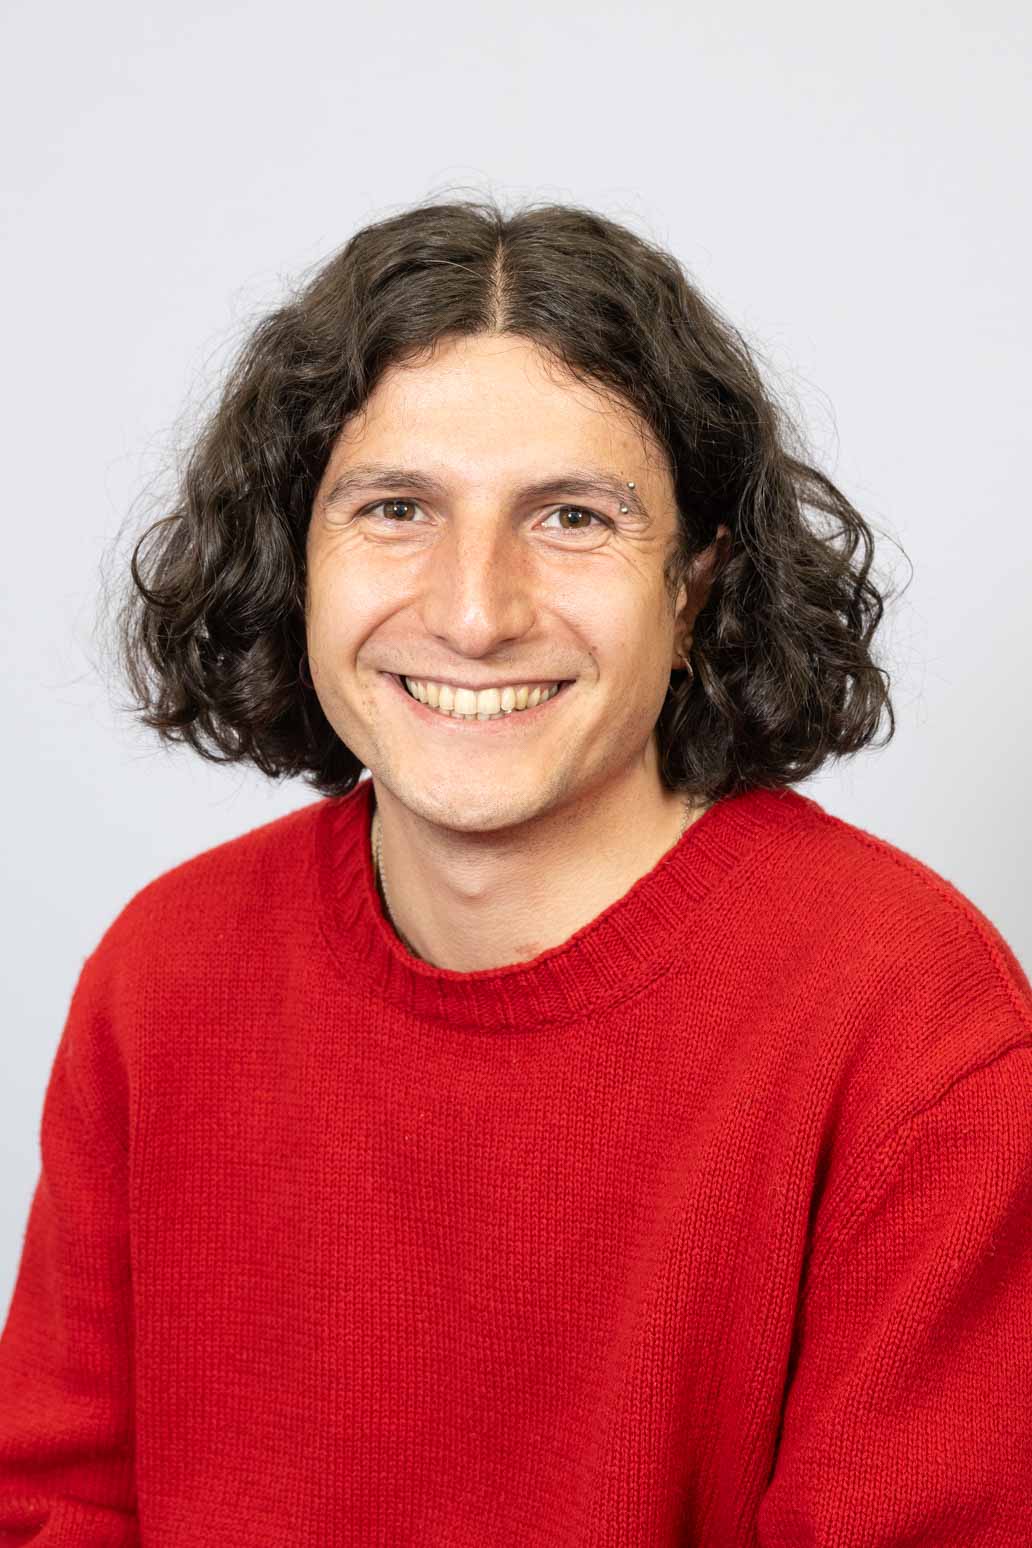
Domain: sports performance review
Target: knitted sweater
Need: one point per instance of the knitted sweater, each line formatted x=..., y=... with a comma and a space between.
x=709, y=1227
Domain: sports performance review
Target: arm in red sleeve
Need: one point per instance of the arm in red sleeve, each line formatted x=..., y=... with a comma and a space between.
x=66, y=1352
x=908, y=1419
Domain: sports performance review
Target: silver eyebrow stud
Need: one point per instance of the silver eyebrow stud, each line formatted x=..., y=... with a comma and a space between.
x=630, y=483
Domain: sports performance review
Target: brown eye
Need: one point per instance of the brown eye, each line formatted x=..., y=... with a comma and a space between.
x=390, y=509
x=583, y=518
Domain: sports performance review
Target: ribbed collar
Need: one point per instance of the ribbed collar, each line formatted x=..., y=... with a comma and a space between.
x=606, y=960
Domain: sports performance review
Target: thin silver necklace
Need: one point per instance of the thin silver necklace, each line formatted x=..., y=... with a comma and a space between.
x=381, y=878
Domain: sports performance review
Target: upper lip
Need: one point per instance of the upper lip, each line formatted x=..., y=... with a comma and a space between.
x=453, y=682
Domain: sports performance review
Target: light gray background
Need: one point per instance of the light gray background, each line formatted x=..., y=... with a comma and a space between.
x=848, y=184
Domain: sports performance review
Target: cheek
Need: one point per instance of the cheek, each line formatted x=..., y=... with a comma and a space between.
x=340, y=611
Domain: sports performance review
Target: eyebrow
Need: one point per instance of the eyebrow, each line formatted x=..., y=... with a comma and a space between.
x=580, y=482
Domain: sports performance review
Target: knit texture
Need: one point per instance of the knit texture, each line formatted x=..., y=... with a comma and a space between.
x=709, y=1227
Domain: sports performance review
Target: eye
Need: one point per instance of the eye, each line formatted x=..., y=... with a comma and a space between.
x=371, y=510
x=581, y=511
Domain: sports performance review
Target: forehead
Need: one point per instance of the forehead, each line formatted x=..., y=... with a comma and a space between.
x=495, y=402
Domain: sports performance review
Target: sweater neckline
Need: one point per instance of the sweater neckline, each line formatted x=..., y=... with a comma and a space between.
x=607, y=959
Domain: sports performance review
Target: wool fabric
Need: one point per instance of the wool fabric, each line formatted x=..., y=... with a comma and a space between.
x=709, y=1227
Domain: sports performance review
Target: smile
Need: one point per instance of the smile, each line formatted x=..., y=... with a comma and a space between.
x=488, y=720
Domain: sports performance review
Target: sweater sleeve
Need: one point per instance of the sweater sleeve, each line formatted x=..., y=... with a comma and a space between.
x=908, y=1418
x=66, y=1353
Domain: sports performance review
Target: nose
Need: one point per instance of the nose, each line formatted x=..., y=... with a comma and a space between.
x=478, y=593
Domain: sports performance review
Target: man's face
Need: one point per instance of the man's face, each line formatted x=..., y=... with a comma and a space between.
x=476, y=580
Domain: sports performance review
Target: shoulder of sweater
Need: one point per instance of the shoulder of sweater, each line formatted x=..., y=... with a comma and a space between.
x=193, y=922
x=198, y=902
x=909, y=984
x=901, y=908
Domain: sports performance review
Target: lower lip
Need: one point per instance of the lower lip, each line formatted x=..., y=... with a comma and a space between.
x=503, y=724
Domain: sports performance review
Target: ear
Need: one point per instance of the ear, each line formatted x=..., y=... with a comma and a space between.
x=694, y=592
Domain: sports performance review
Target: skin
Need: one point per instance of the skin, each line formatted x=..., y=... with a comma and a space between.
x=499, y=847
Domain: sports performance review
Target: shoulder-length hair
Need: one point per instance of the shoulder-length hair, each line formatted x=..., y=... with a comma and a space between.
x=211, y=630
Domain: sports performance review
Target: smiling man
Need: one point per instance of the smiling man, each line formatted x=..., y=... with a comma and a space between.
x=498, y=659
x=563, y=1130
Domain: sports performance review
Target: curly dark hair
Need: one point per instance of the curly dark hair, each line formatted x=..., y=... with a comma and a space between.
x=211, y=632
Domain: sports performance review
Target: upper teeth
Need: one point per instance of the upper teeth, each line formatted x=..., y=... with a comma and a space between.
x=483, y=704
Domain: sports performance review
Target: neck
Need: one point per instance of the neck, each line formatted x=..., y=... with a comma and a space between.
x=471, y=901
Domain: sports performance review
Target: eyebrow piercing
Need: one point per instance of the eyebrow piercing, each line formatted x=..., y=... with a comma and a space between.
x=625, y=508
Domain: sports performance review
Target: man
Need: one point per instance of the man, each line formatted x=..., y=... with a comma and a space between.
x=507, y=831
x=570, y=1133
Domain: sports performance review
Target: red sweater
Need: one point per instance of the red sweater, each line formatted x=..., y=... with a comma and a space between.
x=709, y=1227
